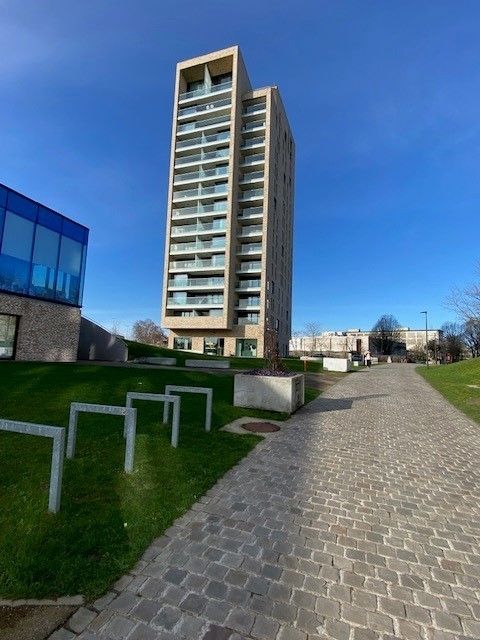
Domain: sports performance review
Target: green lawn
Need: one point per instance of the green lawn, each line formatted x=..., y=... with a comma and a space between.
x=455, y=382
x=107, y=517
x=139, y=350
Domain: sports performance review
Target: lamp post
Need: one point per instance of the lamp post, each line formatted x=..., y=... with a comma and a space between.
x=426, y=335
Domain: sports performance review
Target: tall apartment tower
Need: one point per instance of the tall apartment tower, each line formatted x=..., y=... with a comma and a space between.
x=228, y=253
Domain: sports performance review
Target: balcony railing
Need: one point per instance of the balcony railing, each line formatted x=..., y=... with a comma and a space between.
x=187, y=212
x=203, y=156
x=197, y=264
x=223, y=136
x=216, y=189
x=255, y=124
x=253, y=108
x=251, y=193
x=204, y=91
x=200, y=124
x=196, y=282
x=201, y=108
x=194, y=246
x=246, y=249
x=247, y=267
x=252, y=175
x=247, y=304
x=250, y=142
x=219, y=225
x=251, y=230
x=257, y=157
x=248, y=284
x=252, y=320
x=195, y=300
x=250, y=212
x=198, y=175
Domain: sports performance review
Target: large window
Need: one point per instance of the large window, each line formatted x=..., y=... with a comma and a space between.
x=184, y=344
x=213, y=346
x=8, y=336
x=246, y=348
x=42, y=253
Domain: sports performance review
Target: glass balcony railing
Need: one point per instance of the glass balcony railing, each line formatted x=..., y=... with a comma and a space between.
x=216, y=189
x=248, y=284
x=254, y=247
x=205, y=90
x=187, y=212
x=202, y=108
x=198, y=264
x=203, y=156
x=198, y=246
x=251, y=230
x=253, y=319
x=217, y=225
x=251, y=193
x=250, y=212
x=186, y=283
x=200, y=124
x=257, y=157
x=246, y=304
x=252, y=175
x=255, y=124
x=223, y=136
x=195, y=300
x=250, y=266
x=253, y=108
x=250, y=142
x=198, y=175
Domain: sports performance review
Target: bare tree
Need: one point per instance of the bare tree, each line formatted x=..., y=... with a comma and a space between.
x=387, y=337
x=453, y=343
x=466, y=302
x=148, y=332
x=313, y=331
x=471, y=336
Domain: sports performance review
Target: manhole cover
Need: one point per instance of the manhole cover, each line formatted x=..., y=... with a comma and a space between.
x=261, y=427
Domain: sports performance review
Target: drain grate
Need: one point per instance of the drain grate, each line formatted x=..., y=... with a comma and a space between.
x=261, y=427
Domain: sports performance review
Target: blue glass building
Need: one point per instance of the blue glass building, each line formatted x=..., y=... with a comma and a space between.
x=42, y=257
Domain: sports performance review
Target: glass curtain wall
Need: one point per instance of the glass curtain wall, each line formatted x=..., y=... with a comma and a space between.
x=42, y=254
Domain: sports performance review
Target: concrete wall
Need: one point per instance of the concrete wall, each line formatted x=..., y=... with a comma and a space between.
x=47, y=330
x=96, y=343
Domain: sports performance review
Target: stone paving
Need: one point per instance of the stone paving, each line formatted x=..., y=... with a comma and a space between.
x=359, y=520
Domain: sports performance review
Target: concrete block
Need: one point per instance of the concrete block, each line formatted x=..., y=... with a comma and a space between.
x=208, y=364
x=166, y=362
x=337, y=364
x=57, y=434
x=273, y=393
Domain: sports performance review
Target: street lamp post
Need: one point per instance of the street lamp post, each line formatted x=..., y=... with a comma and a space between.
x=426, y=335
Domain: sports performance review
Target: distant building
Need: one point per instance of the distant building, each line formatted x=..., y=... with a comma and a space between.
x=356, y=340
x=42, y=267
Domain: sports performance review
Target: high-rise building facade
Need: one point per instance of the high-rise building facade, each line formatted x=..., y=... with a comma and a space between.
x=228, y=253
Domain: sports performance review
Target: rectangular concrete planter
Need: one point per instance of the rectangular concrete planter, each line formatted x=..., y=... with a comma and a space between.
x=273, y=393
x=337, y=364
x=208, y=364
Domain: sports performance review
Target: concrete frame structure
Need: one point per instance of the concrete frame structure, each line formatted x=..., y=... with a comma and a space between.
x=228, y=254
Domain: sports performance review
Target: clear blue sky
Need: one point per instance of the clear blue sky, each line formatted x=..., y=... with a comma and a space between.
x=383, y=99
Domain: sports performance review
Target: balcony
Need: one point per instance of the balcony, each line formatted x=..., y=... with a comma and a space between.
x=203, y=108
x=254, y=108
x=223, y=136
x=250, y=213
x=251, y=231
x=196, y=301
x=248, y=285
x=194, y=247
x=255, y=125
x=256, y=158
x=198, y=264
x=192, y=176
x=250, y=267
x=252, y=176
x=202, y=124
x=196, y=283
x=251, y=143
x=251, y=194
x=205, y=91
x=199, y=210
x=208, y=156
x=252, y=319
x=249, y=249
x=207, y=227
x=201, y=192
x=250, y=303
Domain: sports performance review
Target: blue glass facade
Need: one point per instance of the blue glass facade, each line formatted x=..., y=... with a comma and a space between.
x=42, y=253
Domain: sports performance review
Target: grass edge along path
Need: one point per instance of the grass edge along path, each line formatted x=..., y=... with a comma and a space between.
x=107, y=518
x=459, y=383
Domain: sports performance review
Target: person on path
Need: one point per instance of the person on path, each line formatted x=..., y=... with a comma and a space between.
x=368, y=359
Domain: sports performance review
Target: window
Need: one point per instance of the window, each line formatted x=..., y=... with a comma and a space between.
x=182, y=343
x=15, y=253
x=69, y=271
x=45, y=256
x=213, y=346
x=246, y=348
x=8, y=336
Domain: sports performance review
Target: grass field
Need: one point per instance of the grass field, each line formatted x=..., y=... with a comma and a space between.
x=107, y=518
x=459, y=383
x=139, y=350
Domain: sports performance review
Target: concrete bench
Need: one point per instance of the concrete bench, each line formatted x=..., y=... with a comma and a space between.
x=208, y=364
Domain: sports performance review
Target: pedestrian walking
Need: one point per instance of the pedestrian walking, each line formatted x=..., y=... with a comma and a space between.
x=368, y=359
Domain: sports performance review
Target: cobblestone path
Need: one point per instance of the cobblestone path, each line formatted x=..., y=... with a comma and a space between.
x=359, y=520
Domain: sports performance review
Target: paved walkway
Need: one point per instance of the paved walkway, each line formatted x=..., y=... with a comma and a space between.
x=359, y=520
